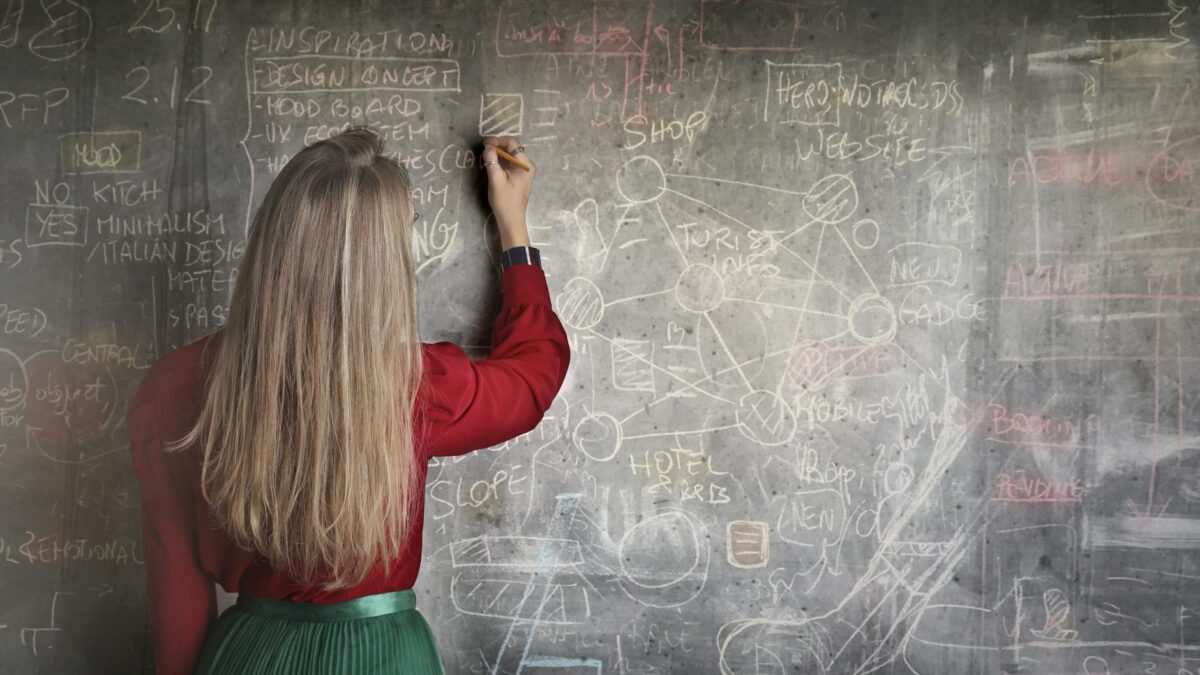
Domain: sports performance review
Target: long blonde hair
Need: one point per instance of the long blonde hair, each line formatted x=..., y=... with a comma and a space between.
x=307, y=421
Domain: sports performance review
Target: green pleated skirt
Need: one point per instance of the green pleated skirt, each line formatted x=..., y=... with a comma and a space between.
x=382, y=634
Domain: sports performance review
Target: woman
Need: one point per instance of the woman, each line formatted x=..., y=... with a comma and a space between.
x=284, y=456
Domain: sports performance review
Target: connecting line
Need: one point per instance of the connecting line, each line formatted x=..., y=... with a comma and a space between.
x=616, y=231
x=671, y=234
x=639, y=297
x=712, y=208
x=789, y=307
x=815, y=274
x=1108, y=41
x=1154, y=442
x=796, y=231
x=778, y=243
x=713, y=324
x=683, y=432
x=1123, y=15
x=744, y=184
x=706, y=378
x=807, y=293
x=737, y=182
x=855, y=256
x=944, y=385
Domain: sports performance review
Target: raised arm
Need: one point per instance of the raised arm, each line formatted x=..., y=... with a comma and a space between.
x=477, y=404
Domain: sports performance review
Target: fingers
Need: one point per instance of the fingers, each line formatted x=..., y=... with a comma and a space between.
x=509, y=143
x=527, y=159
x=491, y=162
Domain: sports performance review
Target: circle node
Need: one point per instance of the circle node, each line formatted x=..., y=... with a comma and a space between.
x=832, y=199
x=872, y=319
x=580, y=305
x=700, y=288
x=641, y=180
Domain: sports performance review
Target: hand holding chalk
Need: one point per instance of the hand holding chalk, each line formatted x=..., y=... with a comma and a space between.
x=508, y=188
x=512, y=160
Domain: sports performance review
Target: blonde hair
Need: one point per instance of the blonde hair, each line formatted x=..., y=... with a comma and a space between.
x=307, y=421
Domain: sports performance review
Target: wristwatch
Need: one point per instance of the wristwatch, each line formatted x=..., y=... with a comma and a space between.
x=520, y=255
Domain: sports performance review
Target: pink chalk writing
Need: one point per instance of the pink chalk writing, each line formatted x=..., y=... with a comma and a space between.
x=814, y=365
x=1021, y=486
x=1033, y=280
x=1008, y=426
x=1066, y=169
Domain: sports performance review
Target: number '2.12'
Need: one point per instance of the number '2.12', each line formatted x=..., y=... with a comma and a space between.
x=146, y=87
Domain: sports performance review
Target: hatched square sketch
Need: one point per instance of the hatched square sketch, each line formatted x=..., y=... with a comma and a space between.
x=501, y=114
x=632, y=364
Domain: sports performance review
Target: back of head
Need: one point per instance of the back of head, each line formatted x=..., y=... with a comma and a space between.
x=308, y=414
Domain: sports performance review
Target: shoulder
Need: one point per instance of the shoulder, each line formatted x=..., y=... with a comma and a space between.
x=442, y=357
x=177, y=370
x=447, y=380
x=445, y=363
x=173, y=382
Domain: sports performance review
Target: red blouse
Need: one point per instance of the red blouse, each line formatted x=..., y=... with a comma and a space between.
x=469, y=405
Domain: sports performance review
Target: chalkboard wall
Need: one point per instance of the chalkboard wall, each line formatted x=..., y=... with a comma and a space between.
x=885, y=317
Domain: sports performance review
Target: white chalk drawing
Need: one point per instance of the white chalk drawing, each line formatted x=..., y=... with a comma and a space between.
x=747, y=543
x=548, y=107
x=883, y=353
x=30, y=634
x=69, y=30
x=501, y=114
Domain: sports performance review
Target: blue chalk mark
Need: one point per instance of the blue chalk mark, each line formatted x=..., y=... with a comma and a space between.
x=547, y=560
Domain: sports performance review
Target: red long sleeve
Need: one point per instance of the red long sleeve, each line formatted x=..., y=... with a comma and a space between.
x=182, y=596
x=468, y=405
x=482, y=403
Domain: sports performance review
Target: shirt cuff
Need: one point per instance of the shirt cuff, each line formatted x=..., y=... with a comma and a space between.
x=524, y=285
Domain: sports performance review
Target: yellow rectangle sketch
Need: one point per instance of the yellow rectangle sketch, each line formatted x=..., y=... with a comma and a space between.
x=747, y=543
x=101, y=151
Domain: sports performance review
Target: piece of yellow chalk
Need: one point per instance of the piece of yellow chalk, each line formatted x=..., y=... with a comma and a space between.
x=500, y=151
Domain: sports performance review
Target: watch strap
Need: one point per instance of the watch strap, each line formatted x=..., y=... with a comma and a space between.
x=520, y=255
